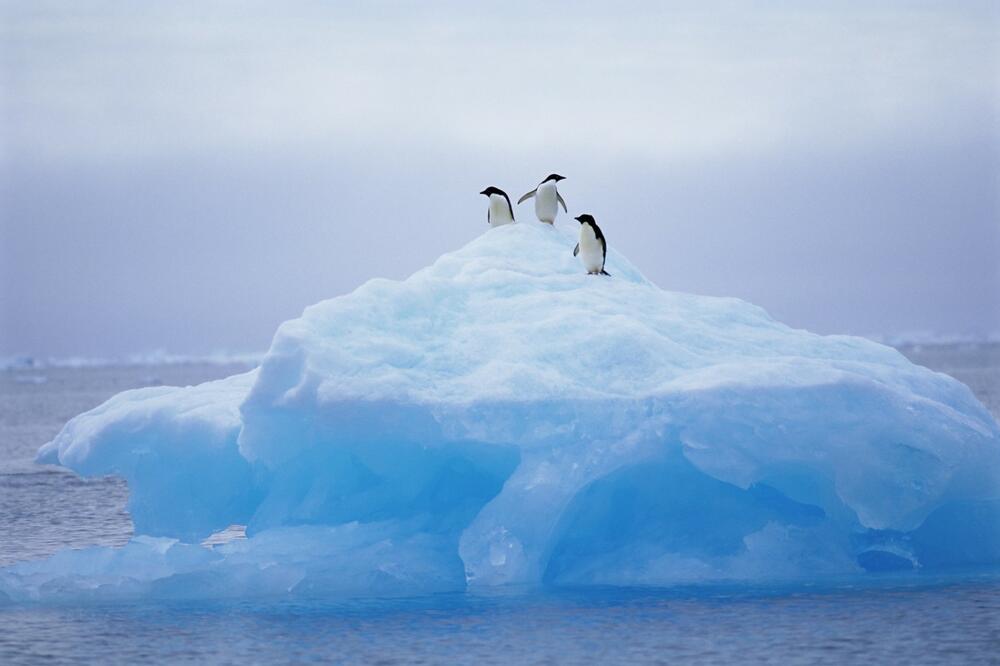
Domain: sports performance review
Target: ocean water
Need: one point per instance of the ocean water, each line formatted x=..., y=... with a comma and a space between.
x=904, y=619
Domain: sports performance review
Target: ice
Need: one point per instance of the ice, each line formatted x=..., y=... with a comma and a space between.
x=502, y=418
x=157, y=357
x=177, y=449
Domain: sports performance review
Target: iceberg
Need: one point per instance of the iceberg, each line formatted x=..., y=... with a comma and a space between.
x=502, y=418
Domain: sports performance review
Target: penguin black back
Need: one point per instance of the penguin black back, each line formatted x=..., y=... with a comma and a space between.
x=589, y=221
x=489, y=191
x=586, y=218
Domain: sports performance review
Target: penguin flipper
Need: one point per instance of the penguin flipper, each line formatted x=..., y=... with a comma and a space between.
x=576, y=250
x=562, y=201
x=528, y=195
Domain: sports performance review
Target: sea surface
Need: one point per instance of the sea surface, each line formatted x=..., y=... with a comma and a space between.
x=905, y=619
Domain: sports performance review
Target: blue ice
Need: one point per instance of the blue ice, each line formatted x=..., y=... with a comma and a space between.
x=501, y=418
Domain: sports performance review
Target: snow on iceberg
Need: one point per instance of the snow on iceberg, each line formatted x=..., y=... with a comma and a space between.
x=502, y=418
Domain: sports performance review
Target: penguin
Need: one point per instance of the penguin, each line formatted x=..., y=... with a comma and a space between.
x=500, y=211
x=592, y=248
x=547, y=198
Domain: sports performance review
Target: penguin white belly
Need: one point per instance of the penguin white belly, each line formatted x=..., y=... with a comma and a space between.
x=546, y=202
x=591, y=251
x=499, y=211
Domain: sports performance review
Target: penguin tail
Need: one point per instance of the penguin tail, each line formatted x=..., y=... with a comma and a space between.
x=604, y=272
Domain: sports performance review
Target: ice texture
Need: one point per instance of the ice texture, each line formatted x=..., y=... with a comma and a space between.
x=501, y=417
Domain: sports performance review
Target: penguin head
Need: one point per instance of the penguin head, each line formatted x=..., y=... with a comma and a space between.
x=586, y=219
x=493, y=190
x=554, y=177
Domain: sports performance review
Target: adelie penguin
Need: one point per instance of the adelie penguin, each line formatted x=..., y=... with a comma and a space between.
x=592, y=248
x=547, y=199
x=500, y=211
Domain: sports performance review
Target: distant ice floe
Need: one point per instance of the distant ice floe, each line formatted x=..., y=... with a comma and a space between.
x=501, y=418
x=152, y=358
x=932, y=338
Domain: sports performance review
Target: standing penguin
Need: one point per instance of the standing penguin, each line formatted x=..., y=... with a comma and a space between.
x=547, y=199
x=592, y=248
x=500, y=211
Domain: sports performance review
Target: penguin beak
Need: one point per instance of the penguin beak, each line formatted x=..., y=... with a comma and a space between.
x=579, y=219
x=483, y=192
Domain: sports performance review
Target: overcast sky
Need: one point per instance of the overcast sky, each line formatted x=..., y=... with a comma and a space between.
x=186, y=178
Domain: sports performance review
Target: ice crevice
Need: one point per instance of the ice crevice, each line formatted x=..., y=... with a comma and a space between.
x=500, y=418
